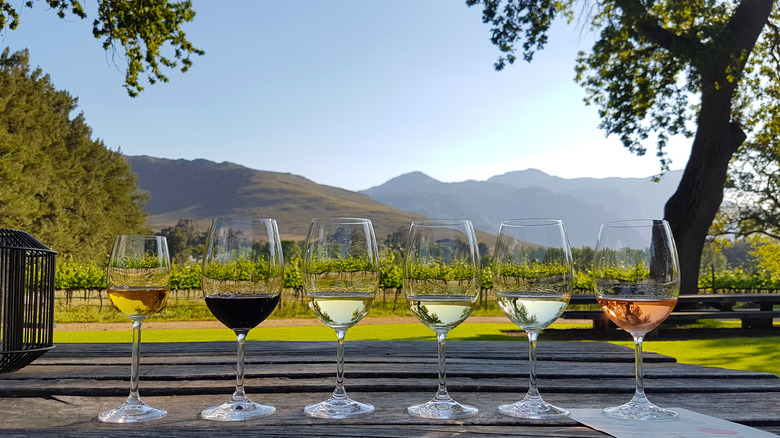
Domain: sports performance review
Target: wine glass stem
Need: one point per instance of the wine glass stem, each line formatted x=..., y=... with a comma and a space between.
x=532, y=389
x=640, y=385
x=442, y=392
x=340, y=392
x=134, y=398
x=239, y=394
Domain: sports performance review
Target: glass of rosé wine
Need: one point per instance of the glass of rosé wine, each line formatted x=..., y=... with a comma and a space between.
x=636, y=276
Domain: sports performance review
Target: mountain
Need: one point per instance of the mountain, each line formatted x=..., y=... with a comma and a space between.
x=582, y=203
x=202, y=190
x=643, y=197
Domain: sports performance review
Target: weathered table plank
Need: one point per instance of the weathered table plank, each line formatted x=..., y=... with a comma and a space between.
x=61, y=393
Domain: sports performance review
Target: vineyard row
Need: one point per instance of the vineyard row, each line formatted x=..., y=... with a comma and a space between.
x=70, y=276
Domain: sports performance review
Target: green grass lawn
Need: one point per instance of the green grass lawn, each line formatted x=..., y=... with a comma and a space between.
x=753, y=354
x=390, y=332
x=748, y=353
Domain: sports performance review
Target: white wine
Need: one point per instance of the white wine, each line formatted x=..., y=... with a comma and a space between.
x=138, y=300
x=442, y=312
x=532, y=311
x=340, y=309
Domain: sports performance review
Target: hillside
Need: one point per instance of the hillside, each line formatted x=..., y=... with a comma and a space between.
x=202, y=190
x=632, y=197
x=583, y=203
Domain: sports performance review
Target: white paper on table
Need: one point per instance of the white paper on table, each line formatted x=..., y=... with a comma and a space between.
x=688, y=425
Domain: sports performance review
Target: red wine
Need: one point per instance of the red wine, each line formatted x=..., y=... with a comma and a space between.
x=242, y=312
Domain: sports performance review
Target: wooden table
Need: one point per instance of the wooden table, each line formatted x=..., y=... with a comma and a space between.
x=61, y=393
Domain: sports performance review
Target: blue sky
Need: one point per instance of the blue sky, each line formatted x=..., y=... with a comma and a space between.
x=347, y=93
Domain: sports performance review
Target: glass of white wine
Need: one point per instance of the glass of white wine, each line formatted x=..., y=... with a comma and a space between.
x=441, y=281
x=138, y=277
x=243, y=275
x=340, y=278
x=636, y=274
x=533, y=276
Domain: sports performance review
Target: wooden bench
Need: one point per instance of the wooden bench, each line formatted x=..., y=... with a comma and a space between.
x=695, y=307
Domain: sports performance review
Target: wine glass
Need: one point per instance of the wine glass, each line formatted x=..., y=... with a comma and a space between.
x=242, y=279
x=636, y=275
x=340, y=278
x=138, y=277
x=533, y=277
x=442, y=283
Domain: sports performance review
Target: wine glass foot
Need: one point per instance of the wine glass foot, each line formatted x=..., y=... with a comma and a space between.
x=237, y=411
x=443, y=410
x=533, y=409
x=640, y=411
x=132, y=412
x=338, y=408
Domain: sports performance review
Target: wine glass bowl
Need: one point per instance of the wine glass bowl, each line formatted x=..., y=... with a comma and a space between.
x=137, y=283
x=340, y=278
x=533, y=278
x=242, y=279
x=441, y=283
x=636, y=277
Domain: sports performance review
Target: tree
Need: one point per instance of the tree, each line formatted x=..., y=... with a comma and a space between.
x=583, y=258
x=651, y=61
x=184, y=241
x=68, y=191
x=713, y=259
x=753, y=207
x=397, y=239
x=767, y=253
x=291, y=250
x=142, y=28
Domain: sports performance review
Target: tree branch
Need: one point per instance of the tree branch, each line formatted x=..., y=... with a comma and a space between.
x=647, y=25
x=747, y=23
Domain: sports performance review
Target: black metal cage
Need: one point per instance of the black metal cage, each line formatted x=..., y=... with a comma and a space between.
x=26, y=299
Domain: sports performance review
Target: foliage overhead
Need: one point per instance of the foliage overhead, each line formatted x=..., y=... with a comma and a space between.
x=149, y=31
x=753, y=188
x=662, y=68
x=70, y=192
x=651, y=60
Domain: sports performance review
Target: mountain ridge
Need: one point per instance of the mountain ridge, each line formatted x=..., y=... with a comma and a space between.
x=582, y=203
x=202, y=189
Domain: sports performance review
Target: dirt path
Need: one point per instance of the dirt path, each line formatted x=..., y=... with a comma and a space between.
x=185, y=325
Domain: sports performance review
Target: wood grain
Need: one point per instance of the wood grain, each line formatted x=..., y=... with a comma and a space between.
x=61, y=393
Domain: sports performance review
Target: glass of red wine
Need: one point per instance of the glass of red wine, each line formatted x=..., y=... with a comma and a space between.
x=636, y=275
x=242, y=282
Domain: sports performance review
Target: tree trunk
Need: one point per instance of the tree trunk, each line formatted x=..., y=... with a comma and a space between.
x=692, y=208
